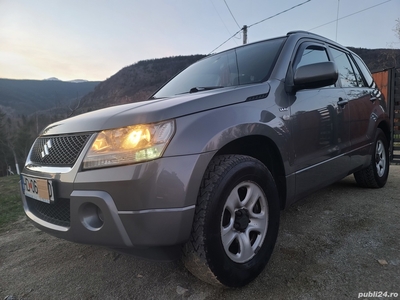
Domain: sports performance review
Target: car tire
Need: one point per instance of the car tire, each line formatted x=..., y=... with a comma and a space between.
x=236, y=222
x=376, y=174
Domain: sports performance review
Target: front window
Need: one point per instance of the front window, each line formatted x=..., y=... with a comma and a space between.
x=311, y=55
x=244, y=65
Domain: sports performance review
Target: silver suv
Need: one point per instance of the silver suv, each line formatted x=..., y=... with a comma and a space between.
x=207, y=163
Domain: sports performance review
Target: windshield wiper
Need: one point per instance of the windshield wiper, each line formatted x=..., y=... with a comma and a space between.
x=200, y=89
x=156, y=98
x=203, y=88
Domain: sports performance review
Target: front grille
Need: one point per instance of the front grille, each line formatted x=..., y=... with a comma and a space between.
x=57, y=213
x=58, y=150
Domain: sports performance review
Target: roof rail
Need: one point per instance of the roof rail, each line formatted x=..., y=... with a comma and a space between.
x=299, y=31
x=312, y=34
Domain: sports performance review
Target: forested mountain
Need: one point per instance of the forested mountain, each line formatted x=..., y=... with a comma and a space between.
x=136, y=82
x=379, y=59
x=25, y=97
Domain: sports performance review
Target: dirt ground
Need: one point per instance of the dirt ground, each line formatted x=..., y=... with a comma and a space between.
x=335, y=244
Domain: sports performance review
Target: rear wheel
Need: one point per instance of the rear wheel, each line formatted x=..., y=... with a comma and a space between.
x=236, y=222
x=376, y=174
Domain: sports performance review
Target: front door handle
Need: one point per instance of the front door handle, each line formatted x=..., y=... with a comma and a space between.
x=342, y=102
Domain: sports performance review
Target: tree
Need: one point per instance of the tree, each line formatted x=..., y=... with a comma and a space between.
x=397, y=28
x=24, y=136
x=7, y=152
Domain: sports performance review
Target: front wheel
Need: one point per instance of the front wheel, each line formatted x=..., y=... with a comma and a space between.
x=236, y=222
x=376, y=174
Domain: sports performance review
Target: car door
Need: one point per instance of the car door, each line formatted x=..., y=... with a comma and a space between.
x=319, y=127
x=361, y=98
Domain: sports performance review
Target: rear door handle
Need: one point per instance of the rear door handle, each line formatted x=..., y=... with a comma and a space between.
x=374, y=98
x=342, y=102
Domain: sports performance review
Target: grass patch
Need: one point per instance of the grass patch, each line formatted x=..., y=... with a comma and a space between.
x=10, y=201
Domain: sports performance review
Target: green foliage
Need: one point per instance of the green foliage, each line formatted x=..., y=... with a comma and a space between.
x=10, y=201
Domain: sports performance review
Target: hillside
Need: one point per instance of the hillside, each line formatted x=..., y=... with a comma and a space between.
x=379, y=59
x=136, y=82
x=28, y=96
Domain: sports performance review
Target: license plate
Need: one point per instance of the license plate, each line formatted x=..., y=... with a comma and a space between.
x=39, y=189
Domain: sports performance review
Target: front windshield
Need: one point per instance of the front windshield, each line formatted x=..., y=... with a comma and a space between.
x=244, y=65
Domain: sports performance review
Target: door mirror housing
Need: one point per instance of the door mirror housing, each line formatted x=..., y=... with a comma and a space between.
x=315, y=75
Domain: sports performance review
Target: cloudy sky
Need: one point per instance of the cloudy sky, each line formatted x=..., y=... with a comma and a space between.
x=94, y=39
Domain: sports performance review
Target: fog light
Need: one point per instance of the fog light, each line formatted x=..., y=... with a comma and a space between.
x=100, y=214
x=91, y=216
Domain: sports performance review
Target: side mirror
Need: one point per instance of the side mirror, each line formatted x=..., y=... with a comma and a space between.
x=315, y=75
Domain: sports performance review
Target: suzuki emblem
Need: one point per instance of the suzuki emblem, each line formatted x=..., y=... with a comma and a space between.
x=46, y=149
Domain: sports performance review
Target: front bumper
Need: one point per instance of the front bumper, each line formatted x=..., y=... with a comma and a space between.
x=137, y=206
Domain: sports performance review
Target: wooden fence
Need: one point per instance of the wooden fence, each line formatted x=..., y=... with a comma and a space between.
x=389, y=83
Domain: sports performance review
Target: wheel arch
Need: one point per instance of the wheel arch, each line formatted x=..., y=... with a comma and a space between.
x=265, y=150
x=384, y=126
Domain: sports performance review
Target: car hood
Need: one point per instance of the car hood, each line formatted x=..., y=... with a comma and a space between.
x=157, y=110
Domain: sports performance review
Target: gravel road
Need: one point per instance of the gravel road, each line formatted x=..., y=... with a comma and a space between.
x=335, y=244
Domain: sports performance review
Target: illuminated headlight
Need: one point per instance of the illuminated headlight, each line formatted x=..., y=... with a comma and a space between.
x=129, y=145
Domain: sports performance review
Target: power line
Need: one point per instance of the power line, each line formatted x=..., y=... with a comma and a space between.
x=286, y=10
x=225, y=41
x=232, y=14
x=357, y=12
x=337, y=18
x=220, y=18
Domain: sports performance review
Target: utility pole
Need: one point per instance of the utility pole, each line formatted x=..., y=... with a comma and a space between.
x=244, y=34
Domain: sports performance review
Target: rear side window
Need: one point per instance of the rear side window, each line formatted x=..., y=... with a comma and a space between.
x=347, y=75
x=360, y=80
x=365, y=71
